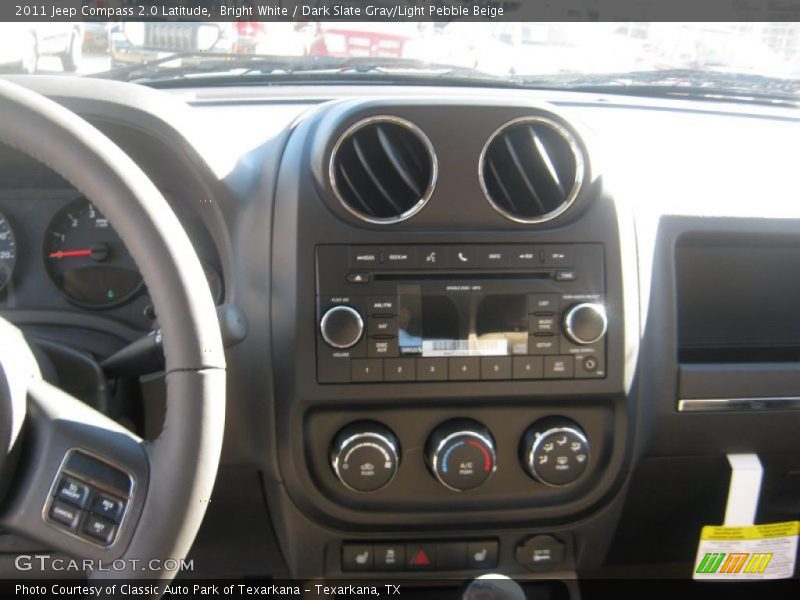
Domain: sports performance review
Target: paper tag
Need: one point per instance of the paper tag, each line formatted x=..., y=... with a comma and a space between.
x=744, y=490
x=751, y=552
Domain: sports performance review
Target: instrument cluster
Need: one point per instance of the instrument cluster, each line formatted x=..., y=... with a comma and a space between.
x=61, y=251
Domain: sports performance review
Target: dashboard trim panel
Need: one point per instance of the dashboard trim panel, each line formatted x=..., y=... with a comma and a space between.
x=730, y=404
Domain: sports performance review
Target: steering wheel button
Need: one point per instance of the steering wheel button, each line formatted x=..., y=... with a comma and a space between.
x=73, y=491
x=100, y=529
x=65, y=513
x=108, y=507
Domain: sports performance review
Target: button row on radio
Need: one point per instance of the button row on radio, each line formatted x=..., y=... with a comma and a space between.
x=455, y=257
x=461, y=368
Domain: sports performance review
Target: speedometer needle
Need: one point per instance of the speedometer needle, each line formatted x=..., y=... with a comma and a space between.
x=70, y=253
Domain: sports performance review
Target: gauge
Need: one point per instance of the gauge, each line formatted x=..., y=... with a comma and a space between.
x=87, y=260
x=8, y=251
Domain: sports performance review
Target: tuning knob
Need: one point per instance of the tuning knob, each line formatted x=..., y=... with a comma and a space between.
x=461, y=454
x=555, y=451
x=341, y=327
x=364, y=456
x=585, y=323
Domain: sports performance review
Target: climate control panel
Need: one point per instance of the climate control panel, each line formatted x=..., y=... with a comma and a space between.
x=460, y=454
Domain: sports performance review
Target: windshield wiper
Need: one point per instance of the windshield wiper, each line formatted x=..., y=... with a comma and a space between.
x=204, y=64
x=681, y=83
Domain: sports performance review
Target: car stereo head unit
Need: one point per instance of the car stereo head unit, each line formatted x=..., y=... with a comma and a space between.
x=460, y=312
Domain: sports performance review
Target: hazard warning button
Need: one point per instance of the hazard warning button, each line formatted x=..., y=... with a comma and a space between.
x=420, y=557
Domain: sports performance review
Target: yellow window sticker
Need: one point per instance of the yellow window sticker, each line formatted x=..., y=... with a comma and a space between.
x=749, y=552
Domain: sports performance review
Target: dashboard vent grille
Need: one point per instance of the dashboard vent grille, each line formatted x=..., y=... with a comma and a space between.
x=383, y=169
x=531, y=169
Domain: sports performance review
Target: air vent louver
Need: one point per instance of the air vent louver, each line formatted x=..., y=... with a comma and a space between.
x=531, y=170
x=383, y=169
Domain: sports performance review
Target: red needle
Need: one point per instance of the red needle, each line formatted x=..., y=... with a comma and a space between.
x=69, y=253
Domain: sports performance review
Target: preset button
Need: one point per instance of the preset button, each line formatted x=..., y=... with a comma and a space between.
x=399, y=369
x=364, y=370
x=431, y=369
x=465, y=368
x=528, y=367
x=495, y=367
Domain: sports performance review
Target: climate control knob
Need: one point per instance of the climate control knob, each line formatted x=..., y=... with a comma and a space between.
x=461, y=454
x=341, y=327
x=364, y=456
x=586, y=323
x=555, y=451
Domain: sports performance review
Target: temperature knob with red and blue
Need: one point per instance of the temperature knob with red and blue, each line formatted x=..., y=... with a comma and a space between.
x=461, y=454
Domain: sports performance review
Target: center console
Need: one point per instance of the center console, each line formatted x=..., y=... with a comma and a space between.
x=452, y=354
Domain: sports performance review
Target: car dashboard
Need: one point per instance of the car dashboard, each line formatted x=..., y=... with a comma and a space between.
x=509, y=331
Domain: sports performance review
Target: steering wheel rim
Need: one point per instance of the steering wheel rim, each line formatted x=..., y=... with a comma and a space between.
x=176, y=471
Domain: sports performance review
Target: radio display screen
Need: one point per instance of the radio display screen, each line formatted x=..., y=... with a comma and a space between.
x=461, y=322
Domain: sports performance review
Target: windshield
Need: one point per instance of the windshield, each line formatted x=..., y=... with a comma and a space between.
x=759, y=58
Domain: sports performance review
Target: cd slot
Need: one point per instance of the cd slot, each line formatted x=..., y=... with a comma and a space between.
x=461, y=276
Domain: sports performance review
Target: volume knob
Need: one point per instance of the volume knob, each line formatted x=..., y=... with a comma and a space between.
x=341, y=327
x=586, y=323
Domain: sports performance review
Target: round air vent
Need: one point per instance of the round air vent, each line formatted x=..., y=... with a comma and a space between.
x=383, y=169
x=531, y=169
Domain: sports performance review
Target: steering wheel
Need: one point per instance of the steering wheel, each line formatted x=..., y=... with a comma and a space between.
x=72, y=478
